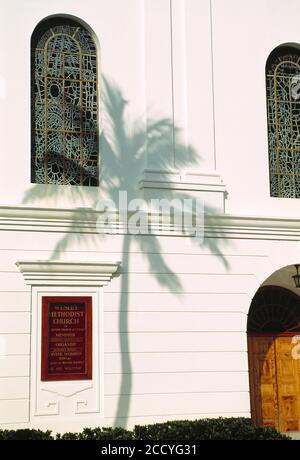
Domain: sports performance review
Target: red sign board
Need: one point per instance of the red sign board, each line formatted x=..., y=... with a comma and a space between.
x=66, y=338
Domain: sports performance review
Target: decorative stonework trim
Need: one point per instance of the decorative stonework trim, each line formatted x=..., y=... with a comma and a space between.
x=67, y=394
x=61, y=273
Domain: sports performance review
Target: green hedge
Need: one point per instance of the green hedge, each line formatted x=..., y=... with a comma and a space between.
x=208, y=429
x=96, y=434
x=183, y=430
x=12, y=435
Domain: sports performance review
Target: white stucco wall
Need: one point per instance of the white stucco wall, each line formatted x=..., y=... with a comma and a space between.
x=150, y=61
x=119, y=27
x=160, y=55
x=244, y=34
x=174, y=320
x=174, y=332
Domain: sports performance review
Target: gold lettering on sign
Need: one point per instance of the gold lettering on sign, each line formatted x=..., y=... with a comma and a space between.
x=67, y=338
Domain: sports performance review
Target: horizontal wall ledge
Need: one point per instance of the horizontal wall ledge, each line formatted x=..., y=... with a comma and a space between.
x=22, y=218
x=182, y=180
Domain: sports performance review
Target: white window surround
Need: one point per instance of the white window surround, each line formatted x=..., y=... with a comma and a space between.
x=62, y=402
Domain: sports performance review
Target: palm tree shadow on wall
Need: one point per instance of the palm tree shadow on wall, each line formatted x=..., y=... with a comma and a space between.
x=123, y=150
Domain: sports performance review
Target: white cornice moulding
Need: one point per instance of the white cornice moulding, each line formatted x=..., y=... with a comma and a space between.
x=71, y=273
x=83, y=221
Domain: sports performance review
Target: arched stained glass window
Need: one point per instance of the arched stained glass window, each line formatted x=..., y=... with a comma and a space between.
x=283, y=105
x=64, y=104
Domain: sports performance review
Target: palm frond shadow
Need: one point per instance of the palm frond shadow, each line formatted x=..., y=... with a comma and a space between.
x=122, y=150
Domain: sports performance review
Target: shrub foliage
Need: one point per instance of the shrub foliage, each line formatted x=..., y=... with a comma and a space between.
x=183, y=430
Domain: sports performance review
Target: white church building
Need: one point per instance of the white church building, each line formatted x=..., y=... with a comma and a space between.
x=149, y=212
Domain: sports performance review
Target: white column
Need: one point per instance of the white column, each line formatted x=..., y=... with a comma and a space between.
x=158, y=75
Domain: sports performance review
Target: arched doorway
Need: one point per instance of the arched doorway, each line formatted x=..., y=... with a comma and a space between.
x=273, y=331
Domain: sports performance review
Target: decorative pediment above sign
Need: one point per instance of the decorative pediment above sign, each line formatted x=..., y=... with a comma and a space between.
x=67, y=273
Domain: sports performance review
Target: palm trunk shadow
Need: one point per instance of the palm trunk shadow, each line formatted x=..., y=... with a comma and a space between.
x=126, y=376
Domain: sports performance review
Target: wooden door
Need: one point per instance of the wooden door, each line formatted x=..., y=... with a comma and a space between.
x=264, y=404
x=287, y=385
x=274, y=383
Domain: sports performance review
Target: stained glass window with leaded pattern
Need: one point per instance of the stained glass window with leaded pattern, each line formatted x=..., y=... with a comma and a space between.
x=64, y=104
x=283, y=106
